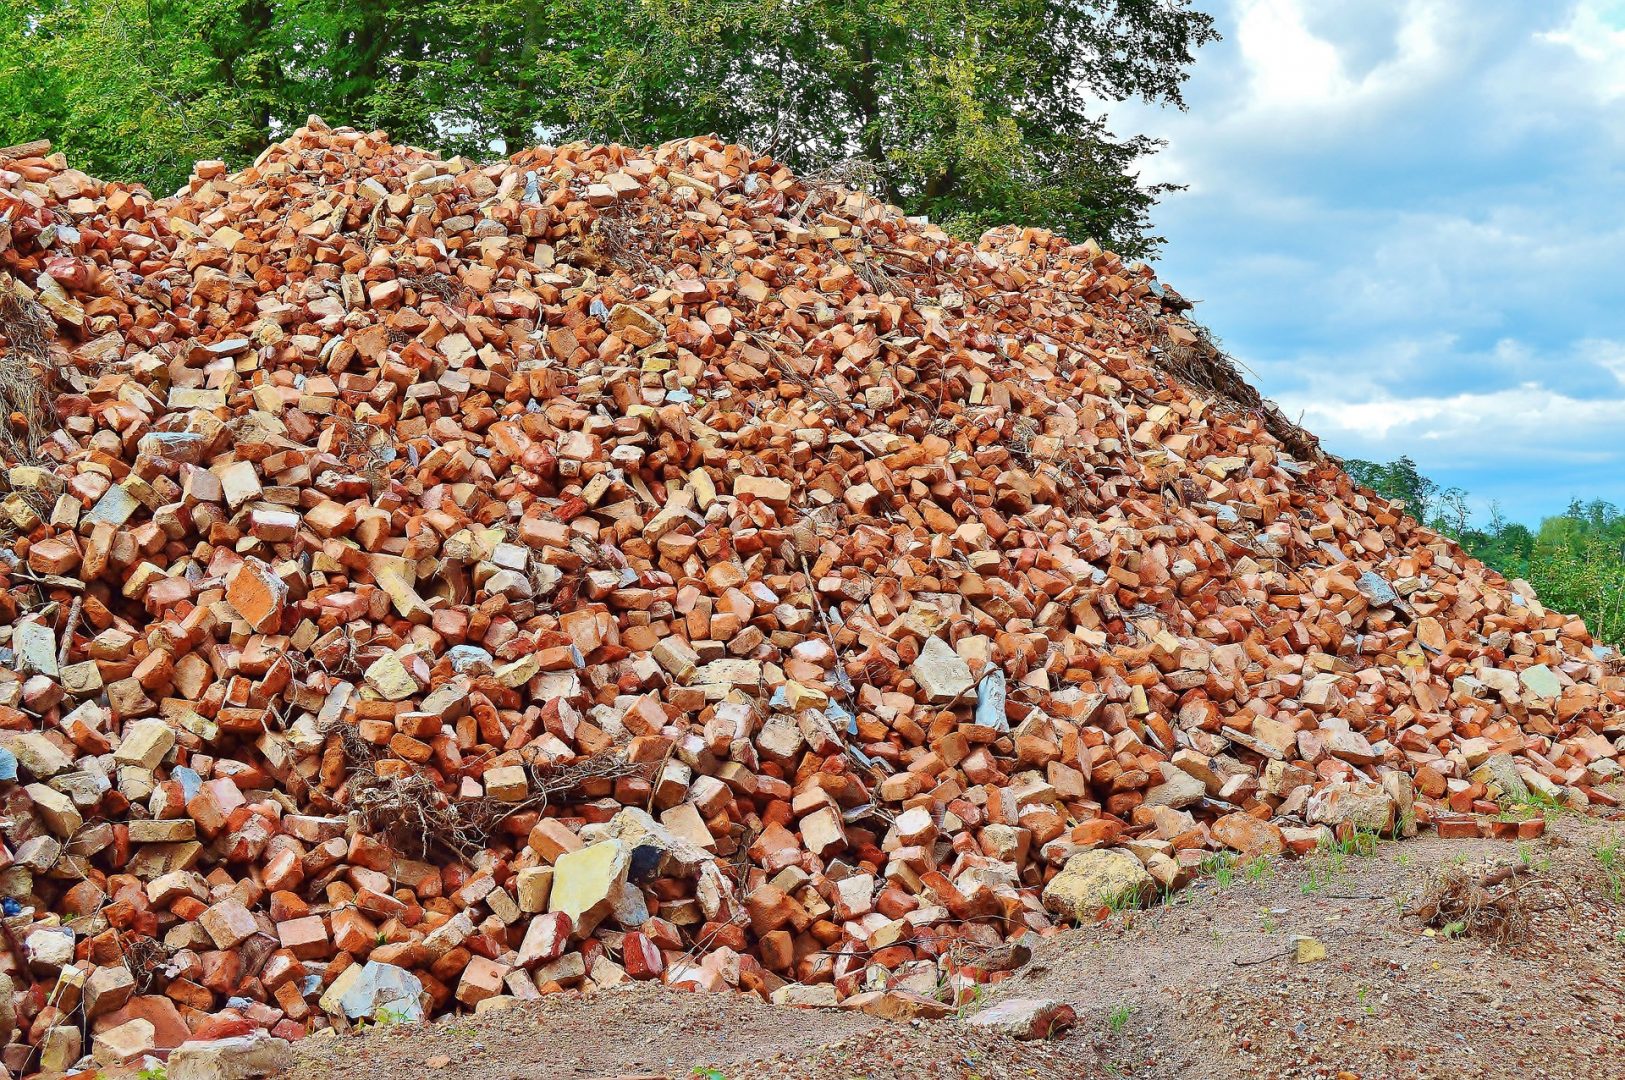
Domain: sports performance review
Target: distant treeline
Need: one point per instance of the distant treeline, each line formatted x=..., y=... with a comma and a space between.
x=1575, y=560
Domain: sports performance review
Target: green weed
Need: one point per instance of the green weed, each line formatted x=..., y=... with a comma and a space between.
x=1537, y=804
x=969, y=996
x=1613, y=864
x=1118, y=1019
x=1221, y=868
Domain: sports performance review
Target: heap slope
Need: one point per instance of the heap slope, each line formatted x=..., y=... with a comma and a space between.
x=430, y=583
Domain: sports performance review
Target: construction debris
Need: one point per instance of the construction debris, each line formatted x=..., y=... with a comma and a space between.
x=433, y=584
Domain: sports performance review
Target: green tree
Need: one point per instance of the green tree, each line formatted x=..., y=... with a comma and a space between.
x=135, y=90
x=1397, y=481
x=975, y=113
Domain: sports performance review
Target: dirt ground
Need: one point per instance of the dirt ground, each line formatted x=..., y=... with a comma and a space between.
x=1204, y=987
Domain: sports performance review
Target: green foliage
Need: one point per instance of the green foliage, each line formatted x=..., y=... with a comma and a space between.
x=1396, y=481
x=1613, y=865
x=1220, y=867
x=137, y=90
x=975, y=113
x=1575, y=561
x=1119, y=1017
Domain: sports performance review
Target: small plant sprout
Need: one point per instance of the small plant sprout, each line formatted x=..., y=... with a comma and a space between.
x=1613, y=865
x=1221, y=868
x=1118, y=1018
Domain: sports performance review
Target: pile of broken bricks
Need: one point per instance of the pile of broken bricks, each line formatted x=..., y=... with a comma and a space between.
x=428, y=585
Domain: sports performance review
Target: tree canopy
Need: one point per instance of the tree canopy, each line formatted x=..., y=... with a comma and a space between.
x=976, y=113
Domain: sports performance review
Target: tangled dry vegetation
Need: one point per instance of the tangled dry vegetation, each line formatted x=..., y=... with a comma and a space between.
x=25, y=372
x=1495, y=905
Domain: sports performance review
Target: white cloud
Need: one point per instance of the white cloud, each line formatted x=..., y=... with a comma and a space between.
x=1403, y=218
x=1596, y=33
x=1606, y=354
x=1292, y=69
x=1531, y=421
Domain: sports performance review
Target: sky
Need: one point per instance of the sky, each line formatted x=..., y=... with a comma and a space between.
x=1406, y=218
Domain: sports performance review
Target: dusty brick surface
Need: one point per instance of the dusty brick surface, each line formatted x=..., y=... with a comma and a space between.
x=431, y=584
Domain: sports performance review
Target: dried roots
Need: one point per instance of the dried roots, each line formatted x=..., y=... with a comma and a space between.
x=413, y=814
x=1205, y=368
x=1495, y=905
x=25, y=374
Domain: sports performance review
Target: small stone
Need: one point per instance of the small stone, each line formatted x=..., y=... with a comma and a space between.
x=243, y=1057
x=1026, y=1018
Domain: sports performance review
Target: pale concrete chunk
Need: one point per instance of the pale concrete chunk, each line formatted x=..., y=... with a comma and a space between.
x=245, y=1057
x=1541, y=681
x=1092, y=880
x=145, y=744
x=534, y=886
x=1178, y=788
x=587, y=883
x=126, y=1042
x=35, y=646
x=240, y=482
x=1364, y=805
x=1026, y=1018
x=229, y=923
x=943, y=674
x=763, y=488
x=389, y=677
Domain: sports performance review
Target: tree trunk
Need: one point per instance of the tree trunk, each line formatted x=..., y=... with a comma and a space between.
x=865, y=95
